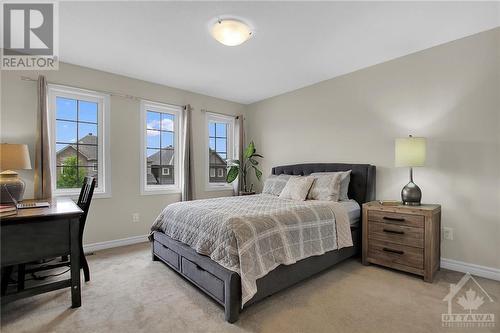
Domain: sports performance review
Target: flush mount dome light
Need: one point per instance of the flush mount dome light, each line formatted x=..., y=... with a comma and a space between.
x=231, y=32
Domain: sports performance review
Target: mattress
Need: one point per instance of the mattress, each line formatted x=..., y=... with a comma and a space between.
x=353, y=211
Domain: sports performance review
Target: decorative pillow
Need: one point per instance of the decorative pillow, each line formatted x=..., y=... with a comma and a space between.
x=325, y=187
x=275, y=184
x=297, y=188
x=345, y=178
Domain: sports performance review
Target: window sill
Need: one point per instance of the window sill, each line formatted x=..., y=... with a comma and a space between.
x=160, y=192
x=76, y=194
x=211, y=188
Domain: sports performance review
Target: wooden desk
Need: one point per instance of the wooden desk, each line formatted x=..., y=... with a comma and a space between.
x=43, y=233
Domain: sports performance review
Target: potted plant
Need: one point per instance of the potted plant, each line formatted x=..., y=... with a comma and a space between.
x=241, y=168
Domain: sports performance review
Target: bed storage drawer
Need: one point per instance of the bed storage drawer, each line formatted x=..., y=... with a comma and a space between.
x=203, y=279
x=167, y=255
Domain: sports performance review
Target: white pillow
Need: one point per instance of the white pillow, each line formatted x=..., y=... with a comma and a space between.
x=345, y=178
x=297, y=188
x=275, y=184
x=325, y=187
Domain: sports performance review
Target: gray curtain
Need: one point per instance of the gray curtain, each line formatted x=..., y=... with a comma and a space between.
x=186, y=156
x=43, y=182
x=240, y=146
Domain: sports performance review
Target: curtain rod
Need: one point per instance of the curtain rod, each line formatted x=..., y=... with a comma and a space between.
x=26, y=78
x=220, y=113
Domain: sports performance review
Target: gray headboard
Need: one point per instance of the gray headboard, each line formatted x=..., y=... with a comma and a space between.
x=361, y=187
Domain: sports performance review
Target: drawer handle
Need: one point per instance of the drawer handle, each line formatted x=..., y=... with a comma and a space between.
x=399, y=219
x=394, y=231
x=386, y=249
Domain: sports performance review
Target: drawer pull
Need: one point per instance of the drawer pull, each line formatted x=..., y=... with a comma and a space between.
x=386, y=249
x=394, y=231
x=399, y=219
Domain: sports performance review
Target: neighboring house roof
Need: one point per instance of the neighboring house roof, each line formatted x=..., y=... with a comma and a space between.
x=218, y=159
x=167, y=157
x=90, y=152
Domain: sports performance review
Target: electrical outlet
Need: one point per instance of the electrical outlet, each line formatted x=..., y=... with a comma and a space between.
x=135, y=217
x=448, y=233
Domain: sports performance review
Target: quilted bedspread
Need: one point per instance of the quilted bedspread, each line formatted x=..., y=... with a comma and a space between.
x=252, y=235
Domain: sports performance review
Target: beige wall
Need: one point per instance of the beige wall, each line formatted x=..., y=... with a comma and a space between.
x=449, y=94
x=111, y=218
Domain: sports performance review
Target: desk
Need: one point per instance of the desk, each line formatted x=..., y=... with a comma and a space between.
x=42, y=233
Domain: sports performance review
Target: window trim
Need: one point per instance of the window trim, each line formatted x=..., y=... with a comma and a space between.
x=103, y=190
x=162, y=108
x=231, y=150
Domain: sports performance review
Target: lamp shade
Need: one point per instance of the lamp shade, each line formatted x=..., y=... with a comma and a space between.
x=410, y=152
x=14, y=157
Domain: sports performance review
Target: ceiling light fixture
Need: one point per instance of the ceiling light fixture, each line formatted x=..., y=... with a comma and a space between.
x=231, y=32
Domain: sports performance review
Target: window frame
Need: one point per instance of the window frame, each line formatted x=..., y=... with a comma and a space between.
x=231, y=148
x=103, y=189
x=177, y=112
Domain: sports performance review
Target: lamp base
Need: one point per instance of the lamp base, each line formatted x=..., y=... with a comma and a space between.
x=411, y=195
x=11, y=187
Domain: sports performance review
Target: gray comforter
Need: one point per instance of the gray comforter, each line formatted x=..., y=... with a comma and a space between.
x=252, y=235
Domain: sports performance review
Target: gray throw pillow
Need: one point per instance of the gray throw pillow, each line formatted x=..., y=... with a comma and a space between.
x=345, y=178
x=325, y=187
x=275, y=184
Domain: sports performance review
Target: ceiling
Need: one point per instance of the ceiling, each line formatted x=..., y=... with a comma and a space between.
x=295, y=43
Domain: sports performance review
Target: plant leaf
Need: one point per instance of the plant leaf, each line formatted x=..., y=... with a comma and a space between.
x=254, y=162
x=250, y=150
x=233, y=163
x=257, y=155
x=232, y=174
x=258, y=173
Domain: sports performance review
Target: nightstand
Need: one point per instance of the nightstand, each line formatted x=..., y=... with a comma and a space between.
x=406, y=238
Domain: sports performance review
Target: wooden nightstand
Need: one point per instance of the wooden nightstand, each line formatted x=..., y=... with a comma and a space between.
x=406, y=238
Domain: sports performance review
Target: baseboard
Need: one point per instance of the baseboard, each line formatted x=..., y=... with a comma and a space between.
x=114, y=243
x=464, y=267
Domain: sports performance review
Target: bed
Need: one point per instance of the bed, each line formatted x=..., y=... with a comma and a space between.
x=221, y=282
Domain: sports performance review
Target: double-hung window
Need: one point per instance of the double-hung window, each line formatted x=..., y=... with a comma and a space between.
x=160, y=157
x=220, y=149
x=79, y=128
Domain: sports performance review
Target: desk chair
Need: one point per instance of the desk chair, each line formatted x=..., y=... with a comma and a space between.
x=84, y=201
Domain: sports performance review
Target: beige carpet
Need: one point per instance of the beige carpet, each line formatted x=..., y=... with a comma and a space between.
x=130, y=293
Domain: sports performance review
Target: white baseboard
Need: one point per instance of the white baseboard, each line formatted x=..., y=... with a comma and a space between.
x=464, y=267
x=114, y=243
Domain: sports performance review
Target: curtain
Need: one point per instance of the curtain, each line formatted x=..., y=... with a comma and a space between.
x=43, y=182
x=240, y=142
x=186, y=156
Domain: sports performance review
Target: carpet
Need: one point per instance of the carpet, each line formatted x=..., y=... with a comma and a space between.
x=130, y=293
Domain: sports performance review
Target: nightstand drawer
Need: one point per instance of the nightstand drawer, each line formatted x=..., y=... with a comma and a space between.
x=396, y=234
x=387, y=253
x=396, y=218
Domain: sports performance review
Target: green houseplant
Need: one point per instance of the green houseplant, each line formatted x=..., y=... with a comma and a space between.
x=241, y=168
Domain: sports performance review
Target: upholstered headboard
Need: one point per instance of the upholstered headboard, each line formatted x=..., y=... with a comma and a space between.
x=361, y=187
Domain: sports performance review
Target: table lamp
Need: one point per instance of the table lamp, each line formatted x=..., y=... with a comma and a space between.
x=410, y=152
x=12, y=157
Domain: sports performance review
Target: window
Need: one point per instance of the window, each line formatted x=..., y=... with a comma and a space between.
x=79, y=126
x=220, y=149
x=160, y=157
